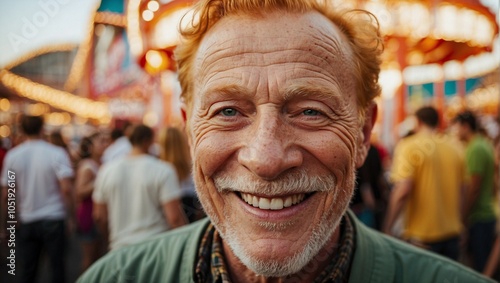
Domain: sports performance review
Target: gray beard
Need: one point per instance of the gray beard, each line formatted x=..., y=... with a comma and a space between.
x=293, y=183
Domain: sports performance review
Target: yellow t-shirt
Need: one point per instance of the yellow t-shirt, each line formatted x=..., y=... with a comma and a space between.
x=435, y=165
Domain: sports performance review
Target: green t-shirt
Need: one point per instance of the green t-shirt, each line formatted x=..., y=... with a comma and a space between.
x=479, y=158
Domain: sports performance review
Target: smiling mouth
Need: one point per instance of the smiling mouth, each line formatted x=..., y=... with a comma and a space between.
x=276, y=203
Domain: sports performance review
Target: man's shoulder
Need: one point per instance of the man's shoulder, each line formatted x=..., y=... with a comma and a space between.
x=480, y=148
x=47, y=148
x=156, y=165
x=28, y=148
x=168, y=257
x=391, y=260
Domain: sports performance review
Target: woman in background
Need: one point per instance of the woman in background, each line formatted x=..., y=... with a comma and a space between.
x=91, y=150
x=175, y=150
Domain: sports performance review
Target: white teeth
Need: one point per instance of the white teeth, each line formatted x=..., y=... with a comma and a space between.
x=272, y=203
x=276, y=203
x=288, y=202
x=255, y=201
x=264, y=203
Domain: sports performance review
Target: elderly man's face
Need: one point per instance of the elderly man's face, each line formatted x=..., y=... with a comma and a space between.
x=275, y=134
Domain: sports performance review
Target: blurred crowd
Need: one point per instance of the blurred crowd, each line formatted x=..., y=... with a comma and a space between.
x=115, y=188
x=437, y=189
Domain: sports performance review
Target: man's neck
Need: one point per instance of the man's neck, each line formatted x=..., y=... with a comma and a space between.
x=240, y=273
x=427, y=130
x=470, y=137
x=96, y=158
x=33, y=138
x=136, y=151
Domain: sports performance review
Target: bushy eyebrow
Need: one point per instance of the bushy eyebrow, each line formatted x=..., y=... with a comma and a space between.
x=310, y=91
x=294, y=91
x=232, y=90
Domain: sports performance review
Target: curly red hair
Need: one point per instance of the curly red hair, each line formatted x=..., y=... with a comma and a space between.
x=360, y=27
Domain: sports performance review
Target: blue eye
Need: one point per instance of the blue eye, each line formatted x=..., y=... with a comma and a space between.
x=229, y=112
x=311, y=112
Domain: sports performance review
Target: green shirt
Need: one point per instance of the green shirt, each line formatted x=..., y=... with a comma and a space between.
x=171, y=257
x=479, y=157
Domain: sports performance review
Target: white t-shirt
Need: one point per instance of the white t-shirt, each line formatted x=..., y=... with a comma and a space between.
x=37, y=166
x=120, y=148
x=135, y=189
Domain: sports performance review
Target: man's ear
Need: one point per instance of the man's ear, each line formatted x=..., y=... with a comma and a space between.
x=184, y=114
x=365, y=134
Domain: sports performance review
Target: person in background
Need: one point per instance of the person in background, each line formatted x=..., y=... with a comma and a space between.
x=92, y=242
x=43, y=175
x=370, y=196
x=279, y=108
x=120, y=144
x=56, y=138
x=137, y=196
x=3, y=152
x=175, y=150
x=480, y=200
x=492, y=266
x=428, y=172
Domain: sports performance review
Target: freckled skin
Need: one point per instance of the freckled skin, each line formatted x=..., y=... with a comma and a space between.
x=271, y=96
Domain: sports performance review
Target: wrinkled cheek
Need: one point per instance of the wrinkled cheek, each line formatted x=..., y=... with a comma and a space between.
x=344, y=171
x=207, y=159
x=344, y=168
x=209, y=197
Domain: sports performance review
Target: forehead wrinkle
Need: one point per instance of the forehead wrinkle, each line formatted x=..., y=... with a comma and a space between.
x=333, y=45
x=317, y=66
x=228, y=47
x=212, y=77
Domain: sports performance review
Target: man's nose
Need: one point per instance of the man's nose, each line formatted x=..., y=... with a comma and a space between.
x=270, y=149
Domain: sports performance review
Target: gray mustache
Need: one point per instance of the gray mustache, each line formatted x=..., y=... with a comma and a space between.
x=291, y=183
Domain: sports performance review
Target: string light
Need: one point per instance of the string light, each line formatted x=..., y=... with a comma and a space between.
x=76, y=72
x=147, y=15
x=4, y=131
x=57, y=98
x=110, y=18
x=153, y=6
x=4, y=104
x=134, y=27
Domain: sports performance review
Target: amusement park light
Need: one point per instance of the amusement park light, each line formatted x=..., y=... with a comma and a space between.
x=4, y=131
x=390, y=80
x=4, y=104
x=59, y=99
x=147, y=15
x=153, y=6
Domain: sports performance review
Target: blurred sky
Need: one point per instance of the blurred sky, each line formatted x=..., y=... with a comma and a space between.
x=27, y=25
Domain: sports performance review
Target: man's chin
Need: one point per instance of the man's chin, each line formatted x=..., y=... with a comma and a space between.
x=275, y=264
x=271, y=265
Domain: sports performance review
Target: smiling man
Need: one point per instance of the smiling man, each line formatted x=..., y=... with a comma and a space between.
x=279, y=109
